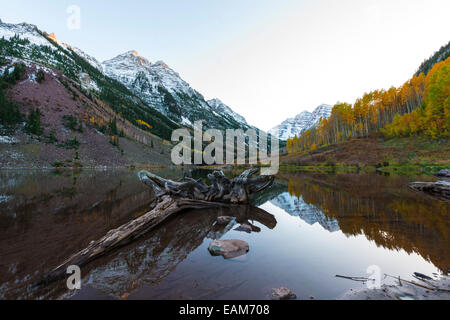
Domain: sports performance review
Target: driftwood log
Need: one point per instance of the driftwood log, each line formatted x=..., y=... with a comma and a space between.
x=438, y=190
x=171, y=197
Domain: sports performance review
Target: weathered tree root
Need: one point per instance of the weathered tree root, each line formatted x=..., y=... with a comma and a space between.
x=171, y=197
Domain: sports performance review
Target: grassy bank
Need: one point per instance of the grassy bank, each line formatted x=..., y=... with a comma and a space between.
x=414, y=154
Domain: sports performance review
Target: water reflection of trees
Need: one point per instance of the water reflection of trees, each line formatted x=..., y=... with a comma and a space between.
x=42, y=224
x=41, y=227
x=381, y=208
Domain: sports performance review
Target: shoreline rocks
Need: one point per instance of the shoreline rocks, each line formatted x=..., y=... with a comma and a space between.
x=444, y=173
x=403, y=291
x=228, y=248
x=282, y=293
x=439, y=190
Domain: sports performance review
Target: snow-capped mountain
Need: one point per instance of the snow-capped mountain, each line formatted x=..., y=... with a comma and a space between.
x=37, y=40
x=23, y=31
x=307, y=212
x=153, y=93
x=302, y=122
x=90, y=59
x=163, y=89
x=221, y=108
x=94, y=62
x=25, y=42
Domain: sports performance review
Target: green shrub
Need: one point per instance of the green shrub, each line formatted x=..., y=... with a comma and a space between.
x=70, y=122
x=71, y=144
x=113, y=127
x=51, y=138
x=40, y=76
x=33, y=125
x=330, y=163
x=17, y=74
x=9, y=112
x=57, y=164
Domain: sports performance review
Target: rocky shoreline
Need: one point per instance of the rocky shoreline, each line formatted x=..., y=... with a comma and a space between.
x=431, y=289
x=439, y=190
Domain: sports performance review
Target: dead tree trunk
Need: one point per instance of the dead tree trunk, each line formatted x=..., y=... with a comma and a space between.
x=171, y=197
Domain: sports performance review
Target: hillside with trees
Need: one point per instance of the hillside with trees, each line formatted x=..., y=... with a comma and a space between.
x=420, y=107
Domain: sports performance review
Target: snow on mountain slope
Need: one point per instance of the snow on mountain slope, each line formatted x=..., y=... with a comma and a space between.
x=31, y=33
x=306, y=120
x=24, y=31
x=149, y=81
x=221, y=108
x=156, y=84
x=163, y=89
x=90, y=59
x=307, y=212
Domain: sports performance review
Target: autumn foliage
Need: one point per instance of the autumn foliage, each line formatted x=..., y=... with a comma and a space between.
x=420, y=106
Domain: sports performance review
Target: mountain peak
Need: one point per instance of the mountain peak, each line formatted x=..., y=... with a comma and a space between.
x=300, y=123
x=24, y=31
x=215, y=101
x=130, y=53
x=128, y=59
x=302, y=114
x=161, y=63
x=52, y=36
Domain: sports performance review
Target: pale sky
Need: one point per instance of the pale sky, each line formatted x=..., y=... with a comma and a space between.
x=268, y=60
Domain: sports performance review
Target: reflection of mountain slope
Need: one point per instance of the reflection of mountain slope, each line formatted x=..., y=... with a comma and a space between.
x=155, y=258
x=258, y=199
x=307, y=212
x=382, y=209
x=151, y=260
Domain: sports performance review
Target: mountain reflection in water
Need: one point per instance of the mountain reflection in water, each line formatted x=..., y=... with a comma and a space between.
x=46, y=217
x=381, y=208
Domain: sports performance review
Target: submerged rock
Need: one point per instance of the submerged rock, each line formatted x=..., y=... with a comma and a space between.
x=224, y=219
x=282, y=293
x=228, y=248
x=245, y=228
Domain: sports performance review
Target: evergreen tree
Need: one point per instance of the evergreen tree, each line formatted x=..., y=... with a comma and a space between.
x=33, y=124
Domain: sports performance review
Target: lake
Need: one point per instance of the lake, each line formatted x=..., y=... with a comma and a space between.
x=309, y=227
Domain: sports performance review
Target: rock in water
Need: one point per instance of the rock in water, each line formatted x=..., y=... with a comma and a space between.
x=282, y=294
x=444, y=173
x=224, y=219
x=245, y=228
x=439, y=190
x=228, y=248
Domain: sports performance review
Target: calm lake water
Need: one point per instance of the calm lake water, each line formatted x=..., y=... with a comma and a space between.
x=311, y=227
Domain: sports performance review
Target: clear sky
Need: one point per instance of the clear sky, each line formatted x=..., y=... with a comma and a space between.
x=266, y=59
